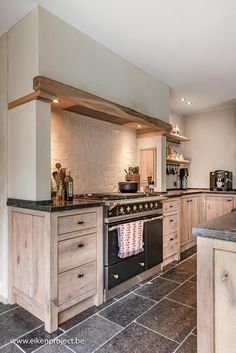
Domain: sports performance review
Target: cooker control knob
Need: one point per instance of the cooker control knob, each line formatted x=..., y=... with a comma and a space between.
x=142, y=264
x=128, y=209
x=151, y=205
x=135, y=208
x=146, y=205
x=140, y=207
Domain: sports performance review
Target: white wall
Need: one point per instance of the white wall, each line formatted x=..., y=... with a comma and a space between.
x=71, y=57
x=94, y=150
x=3, y=166
x=29, y=151
x=23, y=56
x=29, y=124
x=212, y=146
x=177, y=119
x=159, y=142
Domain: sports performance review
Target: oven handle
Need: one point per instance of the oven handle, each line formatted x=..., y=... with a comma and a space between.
x=145, y=221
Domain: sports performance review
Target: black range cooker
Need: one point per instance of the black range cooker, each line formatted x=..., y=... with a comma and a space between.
x=124, y=208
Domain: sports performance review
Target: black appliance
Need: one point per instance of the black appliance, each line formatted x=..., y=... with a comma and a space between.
x=183, y=174
x=123, y=208
x=221, y=180
x=128, y=186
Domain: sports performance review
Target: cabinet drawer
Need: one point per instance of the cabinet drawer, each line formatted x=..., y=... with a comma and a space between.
x=76, y=222
x=170, y=206
x=170, y=244
x=170, y=224
x=76, y=282
x=124, y=270
x=76, y=252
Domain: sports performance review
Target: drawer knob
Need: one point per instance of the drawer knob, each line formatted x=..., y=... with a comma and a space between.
x=225, y=275
x=142, y=264
x=80, y=275
x=171, y=220
x=171, y=206
x=81, y=222
x=80, y=245
x=171, y=239
x=115, y=276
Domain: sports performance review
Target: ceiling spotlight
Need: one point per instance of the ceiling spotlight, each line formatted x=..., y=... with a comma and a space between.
x=139, y=126
x=55, y=100
x=189, y=103
x=182, y=99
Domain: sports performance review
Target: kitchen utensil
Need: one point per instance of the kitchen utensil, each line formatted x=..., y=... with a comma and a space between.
x=58, y=166
x=128, y=186
x=133, y=177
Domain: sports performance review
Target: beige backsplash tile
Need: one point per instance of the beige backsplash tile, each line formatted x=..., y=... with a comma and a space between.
x=94, y=152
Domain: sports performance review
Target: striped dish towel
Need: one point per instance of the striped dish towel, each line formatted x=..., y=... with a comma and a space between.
x=130, y=239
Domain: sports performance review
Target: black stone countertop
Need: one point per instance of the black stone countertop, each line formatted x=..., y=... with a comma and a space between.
x=223, y=228
x=179, y=193
x=49, y=206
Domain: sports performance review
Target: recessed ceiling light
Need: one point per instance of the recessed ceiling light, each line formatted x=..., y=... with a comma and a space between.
x=139, y=126
x=189, y=103
x=55, y=100
x=182, y=99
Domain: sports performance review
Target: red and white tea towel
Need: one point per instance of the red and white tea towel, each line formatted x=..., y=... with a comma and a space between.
x=130, y=239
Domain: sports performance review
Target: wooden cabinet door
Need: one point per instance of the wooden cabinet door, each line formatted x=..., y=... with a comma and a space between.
x=194, y=214
x=225, y=301
x=185, y=221
x=218, y=206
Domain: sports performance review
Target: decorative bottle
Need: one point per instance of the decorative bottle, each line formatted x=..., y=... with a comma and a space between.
x=60, y=196
x=68, y=186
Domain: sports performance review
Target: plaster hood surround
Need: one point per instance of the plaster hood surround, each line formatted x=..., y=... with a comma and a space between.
x=187, y=44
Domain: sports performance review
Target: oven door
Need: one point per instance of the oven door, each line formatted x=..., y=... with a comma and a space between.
x=111, y=248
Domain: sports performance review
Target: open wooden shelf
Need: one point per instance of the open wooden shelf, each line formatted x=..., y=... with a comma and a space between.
x=177, y=138
x=177, y=161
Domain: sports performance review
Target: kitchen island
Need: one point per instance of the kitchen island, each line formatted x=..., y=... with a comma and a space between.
x=55, y=258
x=216, y=276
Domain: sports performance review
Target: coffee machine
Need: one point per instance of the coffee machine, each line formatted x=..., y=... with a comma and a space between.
x=221, y=180
x=183, y=173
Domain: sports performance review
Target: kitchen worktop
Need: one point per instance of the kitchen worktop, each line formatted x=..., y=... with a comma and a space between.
x=223, y=228
x=179, y=193
x=50, y=206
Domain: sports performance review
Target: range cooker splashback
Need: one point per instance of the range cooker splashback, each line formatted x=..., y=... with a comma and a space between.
x=221, y=180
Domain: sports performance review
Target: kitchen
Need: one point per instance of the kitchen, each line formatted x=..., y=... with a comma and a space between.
x=98, y=130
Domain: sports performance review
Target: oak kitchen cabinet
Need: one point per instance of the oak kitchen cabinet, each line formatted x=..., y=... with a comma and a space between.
x=190, y=216
x=216, y=295
x=171, y=243
x=56, y=262
x=216, y=206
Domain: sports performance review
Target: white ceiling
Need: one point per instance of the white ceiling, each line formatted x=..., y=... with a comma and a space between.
x=188, y=44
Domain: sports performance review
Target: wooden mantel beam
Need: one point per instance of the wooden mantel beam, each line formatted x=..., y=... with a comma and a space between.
x=78, y=101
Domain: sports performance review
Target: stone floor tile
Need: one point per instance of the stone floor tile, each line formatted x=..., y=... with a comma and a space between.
x=124, y=311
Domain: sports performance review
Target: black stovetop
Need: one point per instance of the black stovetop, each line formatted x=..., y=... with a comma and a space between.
x=115, y=196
